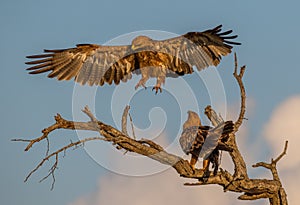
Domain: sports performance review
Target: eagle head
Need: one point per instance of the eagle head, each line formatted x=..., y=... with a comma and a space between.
x=141, y=42
x=193, y=120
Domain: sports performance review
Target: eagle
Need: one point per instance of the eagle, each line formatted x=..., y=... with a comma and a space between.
x=195, y=136
x=94, y=64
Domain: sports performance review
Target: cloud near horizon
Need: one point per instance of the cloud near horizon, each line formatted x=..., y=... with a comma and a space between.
x=284, y=124
x=167, y=188
x=160, y=189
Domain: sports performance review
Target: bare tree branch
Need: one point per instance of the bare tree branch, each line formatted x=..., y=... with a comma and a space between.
x=239, y=78
x=132, y=127
x=124, y=119
x=212, y=116
x=154, y=151
x=62, y=150
x=282, y=154
x=250, y=189
x=240, y=170
x=281, y=197
x=272, y=166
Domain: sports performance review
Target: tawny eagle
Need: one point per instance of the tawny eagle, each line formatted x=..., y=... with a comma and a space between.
x=194, y=136
x=96, y=64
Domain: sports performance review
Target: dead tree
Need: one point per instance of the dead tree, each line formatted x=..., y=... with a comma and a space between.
x=238, y=181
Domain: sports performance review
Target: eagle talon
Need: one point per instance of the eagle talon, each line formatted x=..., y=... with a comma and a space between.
x=156, y=89
x=149, y=57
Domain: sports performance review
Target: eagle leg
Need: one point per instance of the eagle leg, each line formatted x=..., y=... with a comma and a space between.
x=193, y=161
x=142, y=82
x=205, y=169
x=205, y=165
x=160, y=80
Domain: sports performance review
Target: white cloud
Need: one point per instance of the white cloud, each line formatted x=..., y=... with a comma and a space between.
x=159, y=189
x=165, y=187
x=284, y=124
x=290, y=180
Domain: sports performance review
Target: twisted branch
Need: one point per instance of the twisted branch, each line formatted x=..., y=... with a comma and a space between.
x=250, y=187
x=239, y=181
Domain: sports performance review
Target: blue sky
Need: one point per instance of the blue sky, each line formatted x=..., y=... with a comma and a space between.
x=268, y=30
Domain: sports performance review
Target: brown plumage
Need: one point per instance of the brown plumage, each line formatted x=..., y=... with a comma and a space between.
x=194, y=135
x=96, y=64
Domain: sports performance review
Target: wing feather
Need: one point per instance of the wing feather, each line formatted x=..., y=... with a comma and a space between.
x=95, y=64
x=204, y=138
x=42, y=65
x=119, y=73
x=67, y=69
x=213, y=136
x=200, y=49
x=59, y=68
x=87, y=72
x=192, y=138
x=39, y=61
x=80, y=77
x=73, y=71
x=95, y=68
x=86, y=63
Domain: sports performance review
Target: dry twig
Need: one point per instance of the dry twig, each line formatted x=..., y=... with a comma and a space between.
x=239, y=78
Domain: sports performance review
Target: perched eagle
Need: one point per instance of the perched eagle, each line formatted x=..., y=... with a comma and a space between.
x=96, y=64
x=194, y=136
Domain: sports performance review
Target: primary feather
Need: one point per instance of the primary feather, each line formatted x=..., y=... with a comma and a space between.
x=96, y=64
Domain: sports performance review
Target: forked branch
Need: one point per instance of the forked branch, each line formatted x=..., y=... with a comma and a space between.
x=239, y=77
x=238, y=181
x=281, y=197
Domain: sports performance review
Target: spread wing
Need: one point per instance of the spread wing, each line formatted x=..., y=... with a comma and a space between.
x=200, y=49
x=87, y=63
x=96, y=65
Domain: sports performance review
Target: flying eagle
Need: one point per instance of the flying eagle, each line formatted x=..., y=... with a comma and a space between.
x=98, y=64
x=194, y=135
